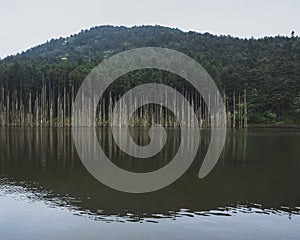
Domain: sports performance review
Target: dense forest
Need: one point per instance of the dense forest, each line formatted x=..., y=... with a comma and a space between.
x=259, y=76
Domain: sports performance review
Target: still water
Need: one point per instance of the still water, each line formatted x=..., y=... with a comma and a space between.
x=252, y=193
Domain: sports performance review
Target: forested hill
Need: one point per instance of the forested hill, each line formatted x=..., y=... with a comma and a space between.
x=268, y=68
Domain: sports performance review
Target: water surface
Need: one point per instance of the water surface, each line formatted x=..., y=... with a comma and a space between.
x=253, y=192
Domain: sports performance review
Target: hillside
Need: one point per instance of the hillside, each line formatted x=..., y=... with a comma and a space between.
x=268, y=69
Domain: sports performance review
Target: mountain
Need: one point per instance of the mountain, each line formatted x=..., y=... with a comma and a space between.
x=268, y=68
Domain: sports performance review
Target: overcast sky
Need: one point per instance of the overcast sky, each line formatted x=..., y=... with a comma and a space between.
x=26, y=23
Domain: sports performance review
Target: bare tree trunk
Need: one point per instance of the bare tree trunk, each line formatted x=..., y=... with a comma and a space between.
x=240, y=112
x=245, y=110
x=234, y=113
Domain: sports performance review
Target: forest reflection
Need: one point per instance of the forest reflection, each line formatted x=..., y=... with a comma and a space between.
x=257, y=171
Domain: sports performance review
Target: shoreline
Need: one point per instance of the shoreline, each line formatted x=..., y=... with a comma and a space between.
x=283, y=126
x=250, y=126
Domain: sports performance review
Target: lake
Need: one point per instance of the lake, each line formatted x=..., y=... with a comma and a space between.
x=252, y=193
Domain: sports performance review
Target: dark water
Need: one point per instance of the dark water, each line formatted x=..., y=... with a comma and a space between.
x=252, y=193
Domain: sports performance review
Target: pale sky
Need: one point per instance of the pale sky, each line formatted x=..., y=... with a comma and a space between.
x=26, y=23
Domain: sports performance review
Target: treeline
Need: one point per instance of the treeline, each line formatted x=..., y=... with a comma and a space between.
x=51, y=108
x=38, y=86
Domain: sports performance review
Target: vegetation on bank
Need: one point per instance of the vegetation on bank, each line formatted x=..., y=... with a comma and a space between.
x=40, y=83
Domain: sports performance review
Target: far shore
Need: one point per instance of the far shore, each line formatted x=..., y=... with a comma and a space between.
x=275, y=125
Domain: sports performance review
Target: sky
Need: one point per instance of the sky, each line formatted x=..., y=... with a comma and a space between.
x=27, y=23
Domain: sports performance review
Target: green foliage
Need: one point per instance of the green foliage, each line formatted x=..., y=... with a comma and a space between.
x=268, y=68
